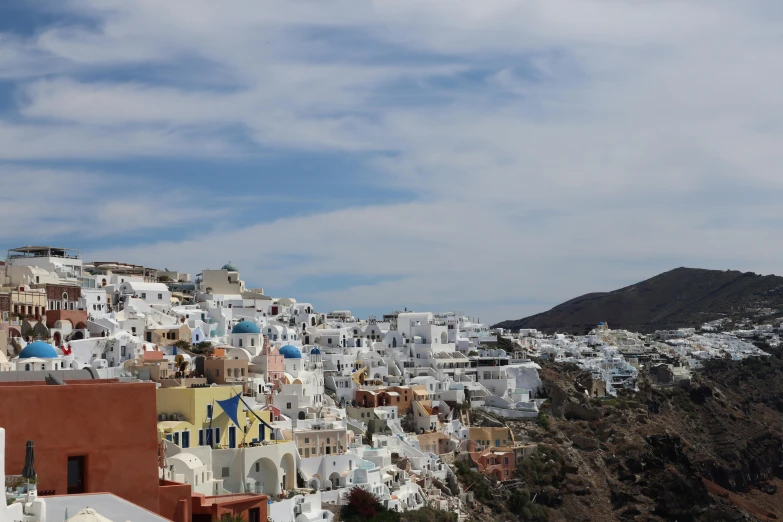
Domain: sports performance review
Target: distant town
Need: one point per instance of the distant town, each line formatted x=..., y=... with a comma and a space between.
x=135, y=393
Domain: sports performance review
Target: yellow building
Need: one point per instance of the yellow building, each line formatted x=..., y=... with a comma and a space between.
x=191, y=417
x=488, y=437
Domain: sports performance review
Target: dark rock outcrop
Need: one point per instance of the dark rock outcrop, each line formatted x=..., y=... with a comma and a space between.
x=682, y=297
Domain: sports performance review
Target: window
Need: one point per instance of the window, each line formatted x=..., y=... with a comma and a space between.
x=497, y=443
x=225, y=472
x=288, y=406
x=240, y=343
x=176, y=438
x=307, y=440
x=185, y=439
x=143, y=295
x=258, y=467
x=133, y=330
x=209, y=411
x=200, y=437
x=160, y=297
x=252, y=342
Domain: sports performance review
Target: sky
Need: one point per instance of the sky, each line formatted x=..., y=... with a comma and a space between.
x=494, y=158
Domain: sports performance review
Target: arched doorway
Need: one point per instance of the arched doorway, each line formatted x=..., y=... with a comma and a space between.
x=334, y=480
x=57, y=339
x=266, y=476
x=288, y=468
x=77, y=335
x=301, y=415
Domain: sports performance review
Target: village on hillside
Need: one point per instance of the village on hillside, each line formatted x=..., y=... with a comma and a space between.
x=133, y=393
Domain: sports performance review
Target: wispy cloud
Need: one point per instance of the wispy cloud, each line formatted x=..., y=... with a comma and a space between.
x=544, y=148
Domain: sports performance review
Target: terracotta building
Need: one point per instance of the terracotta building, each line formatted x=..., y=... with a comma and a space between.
x=399, y=396
x=62, y=297
x=85, y=440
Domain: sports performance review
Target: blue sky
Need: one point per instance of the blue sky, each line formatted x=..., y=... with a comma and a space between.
x=491, y=157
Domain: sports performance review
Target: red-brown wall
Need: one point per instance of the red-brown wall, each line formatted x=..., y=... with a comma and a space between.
x=76, y=317
x=241, y=504
x=175, y=501
x=113, y=424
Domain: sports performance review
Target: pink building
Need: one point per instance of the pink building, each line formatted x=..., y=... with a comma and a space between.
x=271, y=364
x=493, y=463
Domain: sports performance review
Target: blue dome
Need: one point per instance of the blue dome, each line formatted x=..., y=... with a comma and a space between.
x=38, y=349
x=230, y=267
x=290, y=352
x=245, y=327
x=315, y=351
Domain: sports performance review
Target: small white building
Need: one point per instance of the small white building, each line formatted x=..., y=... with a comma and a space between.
x=150, y=293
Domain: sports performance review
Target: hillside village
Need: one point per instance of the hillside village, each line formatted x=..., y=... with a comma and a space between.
x=158, y=395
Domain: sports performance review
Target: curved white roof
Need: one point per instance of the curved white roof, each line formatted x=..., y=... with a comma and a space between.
x=189, y=459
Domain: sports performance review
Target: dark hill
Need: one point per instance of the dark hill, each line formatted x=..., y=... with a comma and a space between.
x=680, y=298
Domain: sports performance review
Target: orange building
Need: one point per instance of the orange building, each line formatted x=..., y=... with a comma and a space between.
x=89, y=436
x=100, y=436
x=400, y=396
x=178, y=503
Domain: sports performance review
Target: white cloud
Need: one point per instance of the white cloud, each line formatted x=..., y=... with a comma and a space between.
x=553, y=147
x=38, y=204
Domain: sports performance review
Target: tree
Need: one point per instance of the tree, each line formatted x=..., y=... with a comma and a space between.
x=182, y=343
x=202, y=348
x=363, y=506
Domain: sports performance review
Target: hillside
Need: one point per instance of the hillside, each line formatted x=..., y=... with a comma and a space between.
x=712, y=452
x=682, y=297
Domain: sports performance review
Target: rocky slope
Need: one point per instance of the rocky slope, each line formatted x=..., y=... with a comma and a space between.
x=679, y=298
x=711, y=452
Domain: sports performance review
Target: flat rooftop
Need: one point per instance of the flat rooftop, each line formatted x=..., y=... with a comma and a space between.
x=44, y=251
x=106, y=504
